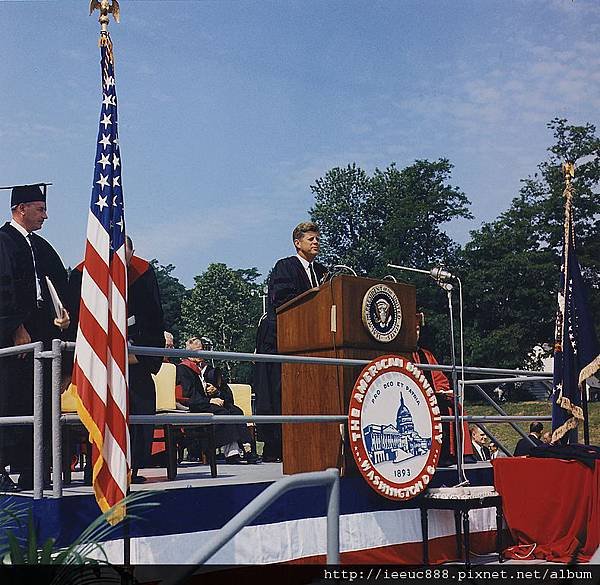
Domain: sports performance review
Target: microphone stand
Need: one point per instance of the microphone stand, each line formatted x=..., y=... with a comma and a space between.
x=456, y=387
x=335, y=271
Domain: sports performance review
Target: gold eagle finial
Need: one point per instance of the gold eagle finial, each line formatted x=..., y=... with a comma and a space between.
x=106, y=7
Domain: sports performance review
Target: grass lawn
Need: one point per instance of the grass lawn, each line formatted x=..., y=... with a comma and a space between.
x=509, y=437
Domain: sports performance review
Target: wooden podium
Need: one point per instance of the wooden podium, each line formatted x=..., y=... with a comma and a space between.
x=327, y=322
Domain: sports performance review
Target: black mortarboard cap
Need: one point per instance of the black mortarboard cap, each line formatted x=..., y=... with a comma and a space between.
x=27, y=193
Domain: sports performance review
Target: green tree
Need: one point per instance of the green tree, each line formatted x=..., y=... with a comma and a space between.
x=512, y=264
x=413, y=206
x=510, y=285
x=395, y=216
x=225, y=306
x=172, y=293
x=342, y=210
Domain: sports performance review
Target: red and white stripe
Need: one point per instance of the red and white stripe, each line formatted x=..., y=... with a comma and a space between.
x=101, y=372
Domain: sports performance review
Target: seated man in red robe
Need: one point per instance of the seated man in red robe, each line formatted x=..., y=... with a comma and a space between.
x=202, y=388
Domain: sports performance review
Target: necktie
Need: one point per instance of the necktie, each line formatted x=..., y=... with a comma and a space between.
x=38, y=284
x=313, y=276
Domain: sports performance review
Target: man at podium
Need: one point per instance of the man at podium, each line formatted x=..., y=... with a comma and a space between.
x=290, y=277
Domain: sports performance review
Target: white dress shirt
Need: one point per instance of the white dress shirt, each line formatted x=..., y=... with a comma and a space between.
x=306, y=265
x=202, y=370
x=479, y=450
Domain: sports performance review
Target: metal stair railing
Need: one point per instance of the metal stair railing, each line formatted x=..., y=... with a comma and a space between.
x=477, y=385
x=329, y=477
x=36, y=419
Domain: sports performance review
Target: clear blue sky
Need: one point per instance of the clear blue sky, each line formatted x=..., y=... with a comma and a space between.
x=229, y=110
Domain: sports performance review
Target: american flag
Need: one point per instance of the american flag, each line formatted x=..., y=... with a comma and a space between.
x=100, y=372
x=576, y=350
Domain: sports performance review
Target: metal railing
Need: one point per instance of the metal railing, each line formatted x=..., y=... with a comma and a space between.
x=329, y=478
x=38, y=409
x=506, y=418
x=58, y=419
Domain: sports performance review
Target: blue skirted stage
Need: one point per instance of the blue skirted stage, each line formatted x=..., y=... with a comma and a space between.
x=373, y=530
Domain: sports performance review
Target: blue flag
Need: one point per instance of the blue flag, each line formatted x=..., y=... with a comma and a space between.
x=576, y=350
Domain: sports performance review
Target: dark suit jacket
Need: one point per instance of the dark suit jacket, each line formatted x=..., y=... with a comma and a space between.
x=18, y=297
x=524, y=447
x=487, y=454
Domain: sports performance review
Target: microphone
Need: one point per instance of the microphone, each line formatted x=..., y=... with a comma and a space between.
x=439, y=274
x=344, y=267
x=334, y=271
x=325, y=278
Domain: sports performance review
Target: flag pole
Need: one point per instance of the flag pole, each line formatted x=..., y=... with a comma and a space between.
x=569, y=174
x=106, y=7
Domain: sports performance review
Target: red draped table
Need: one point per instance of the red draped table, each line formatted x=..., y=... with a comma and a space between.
x=551, y=507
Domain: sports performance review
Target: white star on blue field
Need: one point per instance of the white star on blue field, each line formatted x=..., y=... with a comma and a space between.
x=229, y=110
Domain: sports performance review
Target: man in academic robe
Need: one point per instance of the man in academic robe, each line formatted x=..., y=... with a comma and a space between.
x=145, y=327
x=445, y=400
x=290, y=277
x=27, y=314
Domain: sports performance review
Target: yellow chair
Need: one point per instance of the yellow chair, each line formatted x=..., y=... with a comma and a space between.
x=67, y=400
x=164, y=382
x=242, y=397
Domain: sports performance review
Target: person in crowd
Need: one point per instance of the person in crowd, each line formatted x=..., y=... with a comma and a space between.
x=145, y=327
x=495, y=452
x=481, y=452
x=32, y=275
x=547, y=438
x=290, y=277
x=202, y=388
x=445, y=398
x=524, y=446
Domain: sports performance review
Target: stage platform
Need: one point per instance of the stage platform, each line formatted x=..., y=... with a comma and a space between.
x=194, y=475
x=195, y=506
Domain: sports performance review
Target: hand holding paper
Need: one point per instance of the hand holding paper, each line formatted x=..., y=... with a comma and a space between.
x=64, y=321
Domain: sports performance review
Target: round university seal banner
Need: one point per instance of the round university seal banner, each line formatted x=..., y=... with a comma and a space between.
x=381, y=313
x=394, y=427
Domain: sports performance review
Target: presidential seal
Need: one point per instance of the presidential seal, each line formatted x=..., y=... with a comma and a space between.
x=395, y=428
x=381, y=313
